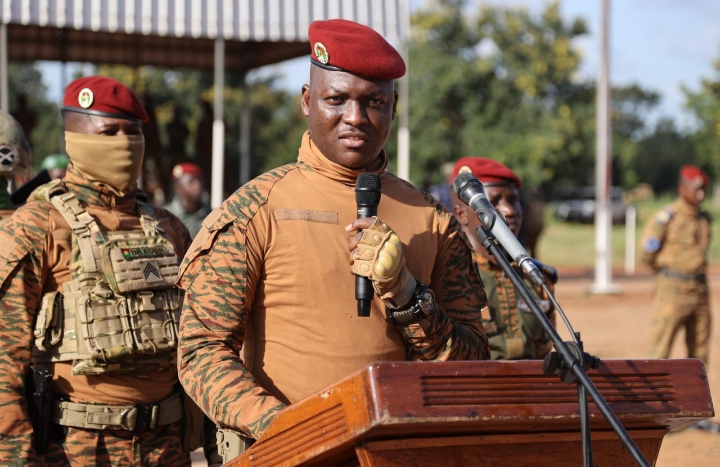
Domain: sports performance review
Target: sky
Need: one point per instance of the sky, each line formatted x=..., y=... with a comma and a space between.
x=658, y=44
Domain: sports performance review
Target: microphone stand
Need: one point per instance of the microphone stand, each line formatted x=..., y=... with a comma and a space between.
x=569, y=361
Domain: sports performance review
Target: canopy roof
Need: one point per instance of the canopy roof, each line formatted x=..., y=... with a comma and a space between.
x=180, y=33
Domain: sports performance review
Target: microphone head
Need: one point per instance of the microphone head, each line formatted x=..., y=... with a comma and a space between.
x=367, y=189
x=462, y=182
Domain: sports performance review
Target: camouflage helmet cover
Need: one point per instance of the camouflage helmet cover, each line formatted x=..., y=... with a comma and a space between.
x=14, y=150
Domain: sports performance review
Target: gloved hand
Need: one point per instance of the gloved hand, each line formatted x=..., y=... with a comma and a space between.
x=377, y=254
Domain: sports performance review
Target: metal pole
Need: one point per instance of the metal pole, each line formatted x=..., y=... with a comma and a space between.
x=4, y=99
x=245, y=135
x=630, y=224
x=603, y=174
x=218, y=135
x=404, y=97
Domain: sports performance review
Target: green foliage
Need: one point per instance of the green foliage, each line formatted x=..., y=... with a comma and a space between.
x=178, y=96
x=503, y=84
x=705, y=107
x=38, y=113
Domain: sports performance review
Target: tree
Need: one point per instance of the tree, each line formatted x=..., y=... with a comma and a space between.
x=704, y=105
x=660, y=156
x=30, y=106
x=502, y=86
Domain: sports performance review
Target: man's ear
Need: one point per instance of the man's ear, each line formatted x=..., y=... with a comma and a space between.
x=460, y=214
x=305, y=100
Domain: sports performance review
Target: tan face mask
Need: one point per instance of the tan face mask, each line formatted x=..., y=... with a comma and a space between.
x=113, y=160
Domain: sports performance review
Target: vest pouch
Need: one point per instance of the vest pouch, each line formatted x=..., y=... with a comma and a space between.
x=154, y=317
x=102, y=325
x=134, y=262
x=49, y=323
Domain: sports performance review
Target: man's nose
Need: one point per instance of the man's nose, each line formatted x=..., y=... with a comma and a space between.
x=355, y=113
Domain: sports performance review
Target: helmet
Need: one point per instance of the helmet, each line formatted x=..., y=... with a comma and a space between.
x=15, y=154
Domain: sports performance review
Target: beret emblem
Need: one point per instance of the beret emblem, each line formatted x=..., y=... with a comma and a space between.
x=85, y=98
x=465, y=169
x=321, y=53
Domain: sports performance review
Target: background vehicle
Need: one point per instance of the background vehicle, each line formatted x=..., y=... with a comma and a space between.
x=578, y=205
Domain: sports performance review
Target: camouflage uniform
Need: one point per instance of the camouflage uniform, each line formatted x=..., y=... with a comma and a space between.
x=513, y=330
x=193, y=221
x=269, y=273
x=15, y=163
x=675, y=244
x=37, y=257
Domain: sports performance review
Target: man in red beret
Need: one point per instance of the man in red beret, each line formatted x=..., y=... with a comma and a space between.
x=188, y=203
x=675, y=245
x=272, y=271
x=90, y=307
x=513, y=330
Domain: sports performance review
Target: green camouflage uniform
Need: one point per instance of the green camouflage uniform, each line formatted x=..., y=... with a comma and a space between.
x=513, y=331
x=675, y=244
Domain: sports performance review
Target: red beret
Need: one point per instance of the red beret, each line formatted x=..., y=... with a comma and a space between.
x=486, y=170
x=104, y=97
x=186, y=168
x=342, y=45
x=694, y=175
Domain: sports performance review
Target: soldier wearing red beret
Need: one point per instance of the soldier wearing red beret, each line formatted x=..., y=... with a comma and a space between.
x=189, y=190
x=90, y=307
x=675, y=245
x=273, y=268
x=513, y=330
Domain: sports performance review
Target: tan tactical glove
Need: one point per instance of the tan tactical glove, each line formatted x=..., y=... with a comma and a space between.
x=379, y=257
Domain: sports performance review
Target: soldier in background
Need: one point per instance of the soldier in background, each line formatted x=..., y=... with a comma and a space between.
x=90, y=310
x=189, y=190
x=675, y=245
x=15, y=163
x=512, y=329
x=56, y=165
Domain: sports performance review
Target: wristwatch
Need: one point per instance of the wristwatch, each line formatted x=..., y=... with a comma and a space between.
x=420, y=307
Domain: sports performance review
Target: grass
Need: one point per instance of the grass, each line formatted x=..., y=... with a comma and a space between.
x=573, y=245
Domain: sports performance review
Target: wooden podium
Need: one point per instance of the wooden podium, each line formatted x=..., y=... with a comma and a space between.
x=482, y=413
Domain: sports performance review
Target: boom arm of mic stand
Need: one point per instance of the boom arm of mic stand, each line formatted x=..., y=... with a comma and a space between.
x=569, y=359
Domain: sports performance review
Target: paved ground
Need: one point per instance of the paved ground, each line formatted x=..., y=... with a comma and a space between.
x=617, y=326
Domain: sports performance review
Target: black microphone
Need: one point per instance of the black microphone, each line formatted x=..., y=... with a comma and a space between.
x=367, y=197
x=471, y=192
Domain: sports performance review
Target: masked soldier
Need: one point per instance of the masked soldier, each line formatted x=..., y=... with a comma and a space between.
x=90, y=311
x=513, y=330
x=15, y=164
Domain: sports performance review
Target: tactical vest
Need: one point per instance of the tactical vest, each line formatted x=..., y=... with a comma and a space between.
x=121, y=309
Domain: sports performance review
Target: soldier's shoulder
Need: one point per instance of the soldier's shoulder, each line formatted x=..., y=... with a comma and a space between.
x=706, y=215
x=245, y=202
x=665, y=215
x=26, y=229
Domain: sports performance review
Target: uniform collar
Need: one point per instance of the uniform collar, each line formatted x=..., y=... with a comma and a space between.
x=310, y=155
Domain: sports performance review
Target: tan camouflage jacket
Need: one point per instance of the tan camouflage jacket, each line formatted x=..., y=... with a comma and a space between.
x=677, y=238
x=270, y=273
x=513, y=330
x=35, y=258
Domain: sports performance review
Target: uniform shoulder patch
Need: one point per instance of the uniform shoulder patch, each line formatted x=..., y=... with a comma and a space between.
x=652, y=245
x=664, y=216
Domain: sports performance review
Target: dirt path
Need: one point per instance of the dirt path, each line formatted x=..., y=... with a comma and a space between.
x=618, y=326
